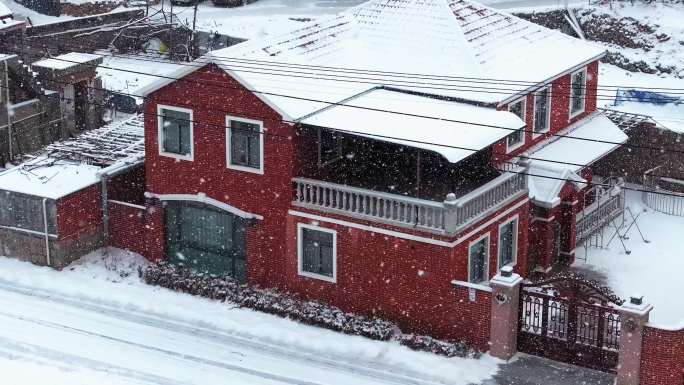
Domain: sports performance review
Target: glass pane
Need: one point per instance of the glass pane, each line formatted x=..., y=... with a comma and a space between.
x=254, y=150
x=506, y=246
x=238, y=149
x=478, y=261
x=515, y=138
x=176, y=132
x=541, y=111
x=518, y=109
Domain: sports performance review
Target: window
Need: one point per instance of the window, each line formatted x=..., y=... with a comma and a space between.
x=175, y=132
x=508, y=243
x=517, y=138
x=578, y=90
x=317, y=252
x=478, y=260
x=542, y=110
x=245, y=145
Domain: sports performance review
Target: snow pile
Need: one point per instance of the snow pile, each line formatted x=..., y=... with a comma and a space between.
x=309, y=312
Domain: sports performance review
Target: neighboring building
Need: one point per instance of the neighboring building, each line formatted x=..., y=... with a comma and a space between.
x=52, y=212
x=8, y=25
x=50, y=100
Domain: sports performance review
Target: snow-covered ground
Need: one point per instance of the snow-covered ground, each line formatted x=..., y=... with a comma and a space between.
x=97, y=323
x=652, y=269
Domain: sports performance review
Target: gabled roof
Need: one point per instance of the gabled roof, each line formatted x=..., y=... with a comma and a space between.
x=545, y=182
x=457, y=41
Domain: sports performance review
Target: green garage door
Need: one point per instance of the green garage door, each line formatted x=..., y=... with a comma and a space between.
x=206, y=239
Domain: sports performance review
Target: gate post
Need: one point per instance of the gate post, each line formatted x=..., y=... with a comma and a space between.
x=504, y=317
x=633, y=317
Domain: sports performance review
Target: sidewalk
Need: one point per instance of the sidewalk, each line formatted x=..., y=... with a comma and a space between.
x=531, y=370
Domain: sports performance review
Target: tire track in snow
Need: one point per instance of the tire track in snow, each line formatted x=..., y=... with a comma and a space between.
x=339, y=363
x=186, y=357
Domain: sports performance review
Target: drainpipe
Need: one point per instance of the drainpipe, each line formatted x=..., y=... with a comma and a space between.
x=47, y=234
x=104, y=178
x=9, y=117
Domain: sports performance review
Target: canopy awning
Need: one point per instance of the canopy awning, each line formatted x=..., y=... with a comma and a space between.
x=451, y=129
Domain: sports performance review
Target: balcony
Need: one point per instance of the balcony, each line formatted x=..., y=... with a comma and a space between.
x=450, y=216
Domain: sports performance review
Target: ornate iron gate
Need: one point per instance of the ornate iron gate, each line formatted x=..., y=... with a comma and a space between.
x=570, y=319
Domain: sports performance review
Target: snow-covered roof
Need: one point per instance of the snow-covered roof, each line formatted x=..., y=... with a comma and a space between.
x=67, y=60
x=545, y=182
x=582, y=143
x=69, y=166
x=367, y=115
x=455, y=40
x=4, y=10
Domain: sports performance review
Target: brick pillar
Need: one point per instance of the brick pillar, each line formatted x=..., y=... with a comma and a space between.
x=505, y=307
x=569, y=222
x=633, y=317
x=154, y=230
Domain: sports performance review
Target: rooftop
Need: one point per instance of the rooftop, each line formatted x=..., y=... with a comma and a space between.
x=69, y=166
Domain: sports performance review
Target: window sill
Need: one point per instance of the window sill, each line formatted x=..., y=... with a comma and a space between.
x=319, y=277
x=189, y=158
x=259, y=171
x=537, y=134
x=575, y=114
x=514, y=147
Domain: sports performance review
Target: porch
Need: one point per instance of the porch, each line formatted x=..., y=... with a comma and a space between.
x=399, y=185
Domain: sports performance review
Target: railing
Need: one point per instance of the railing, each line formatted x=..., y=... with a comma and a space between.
x=23, y=110
x=391, y=208
x=660, y=198
x=449, y=216
x=608, y=204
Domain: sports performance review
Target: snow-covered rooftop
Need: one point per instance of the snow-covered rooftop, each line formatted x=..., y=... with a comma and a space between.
x=582, y=143
x=4, y=11
x=367, y=115
x=73, y=165
x=67, y=60
x=455, y=41
x=545, y=182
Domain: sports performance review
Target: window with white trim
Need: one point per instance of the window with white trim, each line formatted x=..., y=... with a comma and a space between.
x=578, y=90
x=245, y=144
x=517, y=138
x=508, y=243
x=175, y=132
x=542, y=110
x=478, y=261
x=317, y=252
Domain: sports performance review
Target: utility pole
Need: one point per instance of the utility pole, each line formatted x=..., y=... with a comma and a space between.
x=192, y=38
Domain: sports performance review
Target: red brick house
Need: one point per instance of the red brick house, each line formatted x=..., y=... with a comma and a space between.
x=324, y=162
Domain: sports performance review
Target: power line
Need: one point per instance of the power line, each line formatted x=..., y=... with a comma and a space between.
x=429, y=143
x=330, y=103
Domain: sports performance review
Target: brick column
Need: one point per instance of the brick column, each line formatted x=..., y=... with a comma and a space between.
x=569, y=222
x=505, y=307
x=633, y=317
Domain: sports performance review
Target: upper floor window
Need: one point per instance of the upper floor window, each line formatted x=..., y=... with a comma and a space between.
x=542, y=110
x=245, y=145
x=517, y=138
x=508, y=243
x=578, y=91
x=175, y=132
x=317, y=252
x=478, y=260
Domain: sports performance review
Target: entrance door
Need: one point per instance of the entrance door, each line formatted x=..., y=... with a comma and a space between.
x=206, y=239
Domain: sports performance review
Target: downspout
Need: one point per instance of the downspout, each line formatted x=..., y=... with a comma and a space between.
x=104, y=178
x=47, y=234
x=9, y=117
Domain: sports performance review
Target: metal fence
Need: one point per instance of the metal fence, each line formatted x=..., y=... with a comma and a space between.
x=664, y=191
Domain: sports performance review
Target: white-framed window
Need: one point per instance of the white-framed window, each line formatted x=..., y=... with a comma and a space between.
x=517, y=138
x=542, y=110
x=508, y=243
x=578, y=92
x=317, y=252
x=175, y=132
x=245, y=144
x=478, y=260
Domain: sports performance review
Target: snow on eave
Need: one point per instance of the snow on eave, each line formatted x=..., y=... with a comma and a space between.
x=172, y=77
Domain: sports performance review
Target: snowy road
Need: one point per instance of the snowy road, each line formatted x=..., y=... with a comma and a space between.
x=143, y=348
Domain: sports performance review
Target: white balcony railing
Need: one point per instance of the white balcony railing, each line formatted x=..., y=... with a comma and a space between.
x=449, y=216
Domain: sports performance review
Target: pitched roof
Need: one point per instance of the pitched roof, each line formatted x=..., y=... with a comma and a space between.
x=4, y=10
x=455, y=40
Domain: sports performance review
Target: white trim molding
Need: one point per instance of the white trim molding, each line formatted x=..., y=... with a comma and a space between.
x=574, y=114
x=522, y=100
x=229, y=133
x=549, y=110
x=485, y=236
x=515, y=218
x=203, y=198
x=470, y=285
x=160, y=133
x=300, y=253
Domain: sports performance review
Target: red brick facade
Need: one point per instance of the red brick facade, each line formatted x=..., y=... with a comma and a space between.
x=127, y=227
x=662, y=357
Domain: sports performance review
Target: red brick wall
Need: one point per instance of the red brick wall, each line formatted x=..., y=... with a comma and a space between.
x=662, y=357
x=560, y=111
x=269, y=195
x=79, y=213
x=127, y=227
